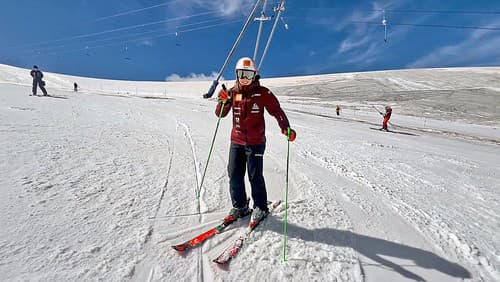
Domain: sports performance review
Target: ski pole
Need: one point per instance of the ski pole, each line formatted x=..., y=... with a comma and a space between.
x=212, y=145
x=390, y=123
x=286, y=195
x=378, y=110
x=230, y=55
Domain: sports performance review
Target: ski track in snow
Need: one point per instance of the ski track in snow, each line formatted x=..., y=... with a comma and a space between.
x=432, y=225
x=77, y=166
x=99, y=187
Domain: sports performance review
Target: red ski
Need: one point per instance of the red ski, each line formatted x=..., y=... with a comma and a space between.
x=205, y=235
x=231, y=251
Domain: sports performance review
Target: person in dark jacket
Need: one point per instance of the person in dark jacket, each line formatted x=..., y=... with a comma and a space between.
x=248, y=99
x=37, y=80
x=75, y=87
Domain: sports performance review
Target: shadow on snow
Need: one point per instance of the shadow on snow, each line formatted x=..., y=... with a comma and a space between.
x=373, y=248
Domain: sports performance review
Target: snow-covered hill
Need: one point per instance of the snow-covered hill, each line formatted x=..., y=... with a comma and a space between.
x=97, y=185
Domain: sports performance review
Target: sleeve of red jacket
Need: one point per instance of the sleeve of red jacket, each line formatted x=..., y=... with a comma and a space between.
x=226, y=108
x=273, y=108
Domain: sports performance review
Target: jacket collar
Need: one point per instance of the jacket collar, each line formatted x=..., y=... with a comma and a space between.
x=247, y=88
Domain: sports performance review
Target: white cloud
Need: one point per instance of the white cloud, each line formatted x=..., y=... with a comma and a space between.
x=362, y=35
x=201, y=10
x=193, y=77
x=353, y=43
x=146, y=42
x=224, y=7
x=479, y=48
x=364, y=44
x=366, y=57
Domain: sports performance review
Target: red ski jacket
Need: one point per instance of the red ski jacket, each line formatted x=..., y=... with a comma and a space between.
x=387, y=116
x=248, y=103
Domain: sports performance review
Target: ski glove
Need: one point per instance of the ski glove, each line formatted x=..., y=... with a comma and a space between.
x=291, y=136
x=223, y=96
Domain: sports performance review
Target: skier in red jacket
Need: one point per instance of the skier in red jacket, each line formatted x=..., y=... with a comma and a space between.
x=387, y=116
x=248, y=99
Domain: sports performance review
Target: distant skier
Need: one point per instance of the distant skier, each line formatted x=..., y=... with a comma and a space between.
x=37, y=80
x=248, y=99
x=337, y=109
x=387, y=116
x=75, y=87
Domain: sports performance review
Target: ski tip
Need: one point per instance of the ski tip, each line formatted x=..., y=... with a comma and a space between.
x=220, y=262
x=180, y=248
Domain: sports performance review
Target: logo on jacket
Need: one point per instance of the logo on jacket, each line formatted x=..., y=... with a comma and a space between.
x=255, y=108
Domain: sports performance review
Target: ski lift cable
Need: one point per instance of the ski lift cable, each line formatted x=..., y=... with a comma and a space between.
x=53, y=49
x=139, y=39
x=405, y=11
x=136, y=39
x=444, y=12
x=124, y=36
x=409, y=24
x=133, y=11
x=431, y=25
x=117, y=29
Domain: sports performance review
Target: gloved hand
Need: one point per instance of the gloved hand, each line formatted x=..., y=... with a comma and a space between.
x=223, y=96
x=292, y=135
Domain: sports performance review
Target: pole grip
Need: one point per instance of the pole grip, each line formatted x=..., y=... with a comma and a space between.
x=211, y=91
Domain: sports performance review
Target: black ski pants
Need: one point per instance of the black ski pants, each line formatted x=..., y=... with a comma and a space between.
x=38, y=83
x=248, y=158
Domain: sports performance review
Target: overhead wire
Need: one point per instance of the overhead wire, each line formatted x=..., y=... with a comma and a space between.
x=412, y=24
x=138, y=39
x=87, y=43
x=133, y=11
x=115, y=30
x=403, y=11
x=90, y=42
x=430, y=25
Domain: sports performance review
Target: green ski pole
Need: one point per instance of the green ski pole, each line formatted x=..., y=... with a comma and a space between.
x=212, y=145
x=286, y=195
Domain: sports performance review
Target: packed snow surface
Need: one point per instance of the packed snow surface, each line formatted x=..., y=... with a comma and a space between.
x=97, y=185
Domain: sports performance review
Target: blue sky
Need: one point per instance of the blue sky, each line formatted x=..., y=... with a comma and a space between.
x=189, y=39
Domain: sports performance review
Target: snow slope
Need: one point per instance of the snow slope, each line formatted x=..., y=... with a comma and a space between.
x=97, y=185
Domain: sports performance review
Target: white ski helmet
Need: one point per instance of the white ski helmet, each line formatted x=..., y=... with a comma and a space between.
x=246, y=63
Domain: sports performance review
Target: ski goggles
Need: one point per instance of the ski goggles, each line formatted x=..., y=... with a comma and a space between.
x=245, y=74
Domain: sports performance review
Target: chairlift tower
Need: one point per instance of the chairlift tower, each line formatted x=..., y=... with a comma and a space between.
x=279, y=9
x=261, y=19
